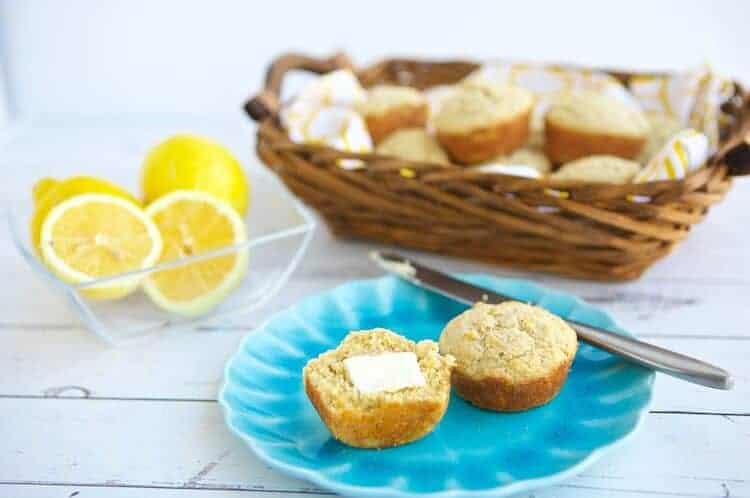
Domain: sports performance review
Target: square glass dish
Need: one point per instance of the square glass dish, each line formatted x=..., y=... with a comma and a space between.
x=279, y=229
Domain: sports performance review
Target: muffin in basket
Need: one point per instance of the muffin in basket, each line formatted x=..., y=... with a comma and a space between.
x=597, y=169
x=413, y=144
x=509, y=356
x=378, y=389
x=389, y=107
x=527, y=156
x=480, y=120
x=588, y=123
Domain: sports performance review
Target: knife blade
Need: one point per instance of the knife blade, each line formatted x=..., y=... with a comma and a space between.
x=639, y=352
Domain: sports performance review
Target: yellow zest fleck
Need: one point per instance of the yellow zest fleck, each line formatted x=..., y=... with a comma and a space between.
x=407, y=173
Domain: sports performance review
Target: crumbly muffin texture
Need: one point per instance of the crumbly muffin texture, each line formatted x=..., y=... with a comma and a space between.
x=514, y=341
x=383, y=98
x=413, y=144
x=382, y=419
x=597, y=169
x=594, y=113
x=477, y=104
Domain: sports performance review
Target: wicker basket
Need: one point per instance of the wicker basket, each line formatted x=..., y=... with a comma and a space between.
x=595, y=233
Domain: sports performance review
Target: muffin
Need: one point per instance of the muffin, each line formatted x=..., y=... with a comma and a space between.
x=509, y=356
x=587, y=123
x=414, y=144
x=661, y=128
x=388, y=108
x=527, y=156
x=480, y=120
x=378, y=389
x=597, y=169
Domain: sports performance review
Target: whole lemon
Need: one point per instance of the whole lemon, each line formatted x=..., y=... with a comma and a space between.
x=49, y=192
x=190, y=162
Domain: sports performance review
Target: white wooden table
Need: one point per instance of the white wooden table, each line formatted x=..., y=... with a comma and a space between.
x=80, y=418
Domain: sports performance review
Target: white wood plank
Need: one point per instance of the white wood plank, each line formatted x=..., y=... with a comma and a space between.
x=585, y=489
x=189, y=365
x=127, y=443
x=31, y=490
x=646, y=307
x=704, y=278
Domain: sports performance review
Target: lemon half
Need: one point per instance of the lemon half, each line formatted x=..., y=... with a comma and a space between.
x=192, y=223
x=49, y=192
x=92, y=236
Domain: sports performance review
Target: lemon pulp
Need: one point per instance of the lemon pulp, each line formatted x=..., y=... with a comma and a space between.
x=93, y=236
x=48, y=193
x=192, y=223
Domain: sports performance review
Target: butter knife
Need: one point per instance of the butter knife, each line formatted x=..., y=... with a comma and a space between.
x=642, y=353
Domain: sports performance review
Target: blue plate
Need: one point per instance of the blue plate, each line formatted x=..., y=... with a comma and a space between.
x=472, y=452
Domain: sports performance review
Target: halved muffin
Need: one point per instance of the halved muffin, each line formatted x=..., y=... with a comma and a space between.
x=378, y=389
x=390, y=107
x=509, y=356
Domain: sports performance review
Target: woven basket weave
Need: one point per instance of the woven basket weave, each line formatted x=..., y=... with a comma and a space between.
x=594, y=233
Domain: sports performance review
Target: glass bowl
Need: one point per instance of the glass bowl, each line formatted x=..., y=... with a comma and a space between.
x=279, y=230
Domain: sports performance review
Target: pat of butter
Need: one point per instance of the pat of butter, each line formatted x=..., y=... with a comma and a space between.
x=384, y=372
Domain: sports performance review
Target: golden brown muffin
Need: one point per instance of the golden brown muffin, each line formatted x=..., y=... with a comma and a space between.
x=390, y=107
x=381, y=419
x=509, y=356
x=597, y=169
x=480, y=120
x=587, y=123
x=414, y=144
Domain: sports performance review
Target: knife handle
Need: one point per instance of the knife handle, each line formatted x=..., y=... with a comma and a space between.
x=654, y=357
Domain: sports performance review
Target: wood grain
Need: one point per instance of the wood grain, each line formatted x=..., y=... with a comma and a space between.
x=674, y=453
x=146, y=423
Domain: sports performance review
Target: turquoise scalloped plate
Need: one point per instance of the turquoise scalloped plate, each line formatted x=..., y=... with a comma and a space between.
x=472, y=452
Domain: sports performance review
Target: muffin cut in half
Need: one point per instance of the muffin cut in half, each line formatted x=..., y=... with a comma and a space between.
x=509, y=356
x=481, y=120
x=413, y=144
x=588, y=123
x=597, y=169
x=370, y=397
x=391, y=107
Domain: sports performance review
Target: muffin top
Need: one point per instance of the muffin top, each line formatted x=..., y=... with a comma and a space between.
x=511, y=340
x=475, y=105
x=383, y=98
x=414, y=144
x=328, y=371
x=592, y=112
x=597, y=169
x=527, y=156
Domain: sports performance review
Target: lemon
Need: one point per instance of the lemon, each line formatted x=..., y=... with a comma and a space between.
x=189, y=162
x=92, y=236
x=42, y=188
x=192, y=223
x=48, y=193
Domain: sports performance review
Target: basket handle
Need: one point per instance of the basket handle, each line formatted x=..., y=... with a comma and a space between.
x=736, y=153
x=266, y=103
